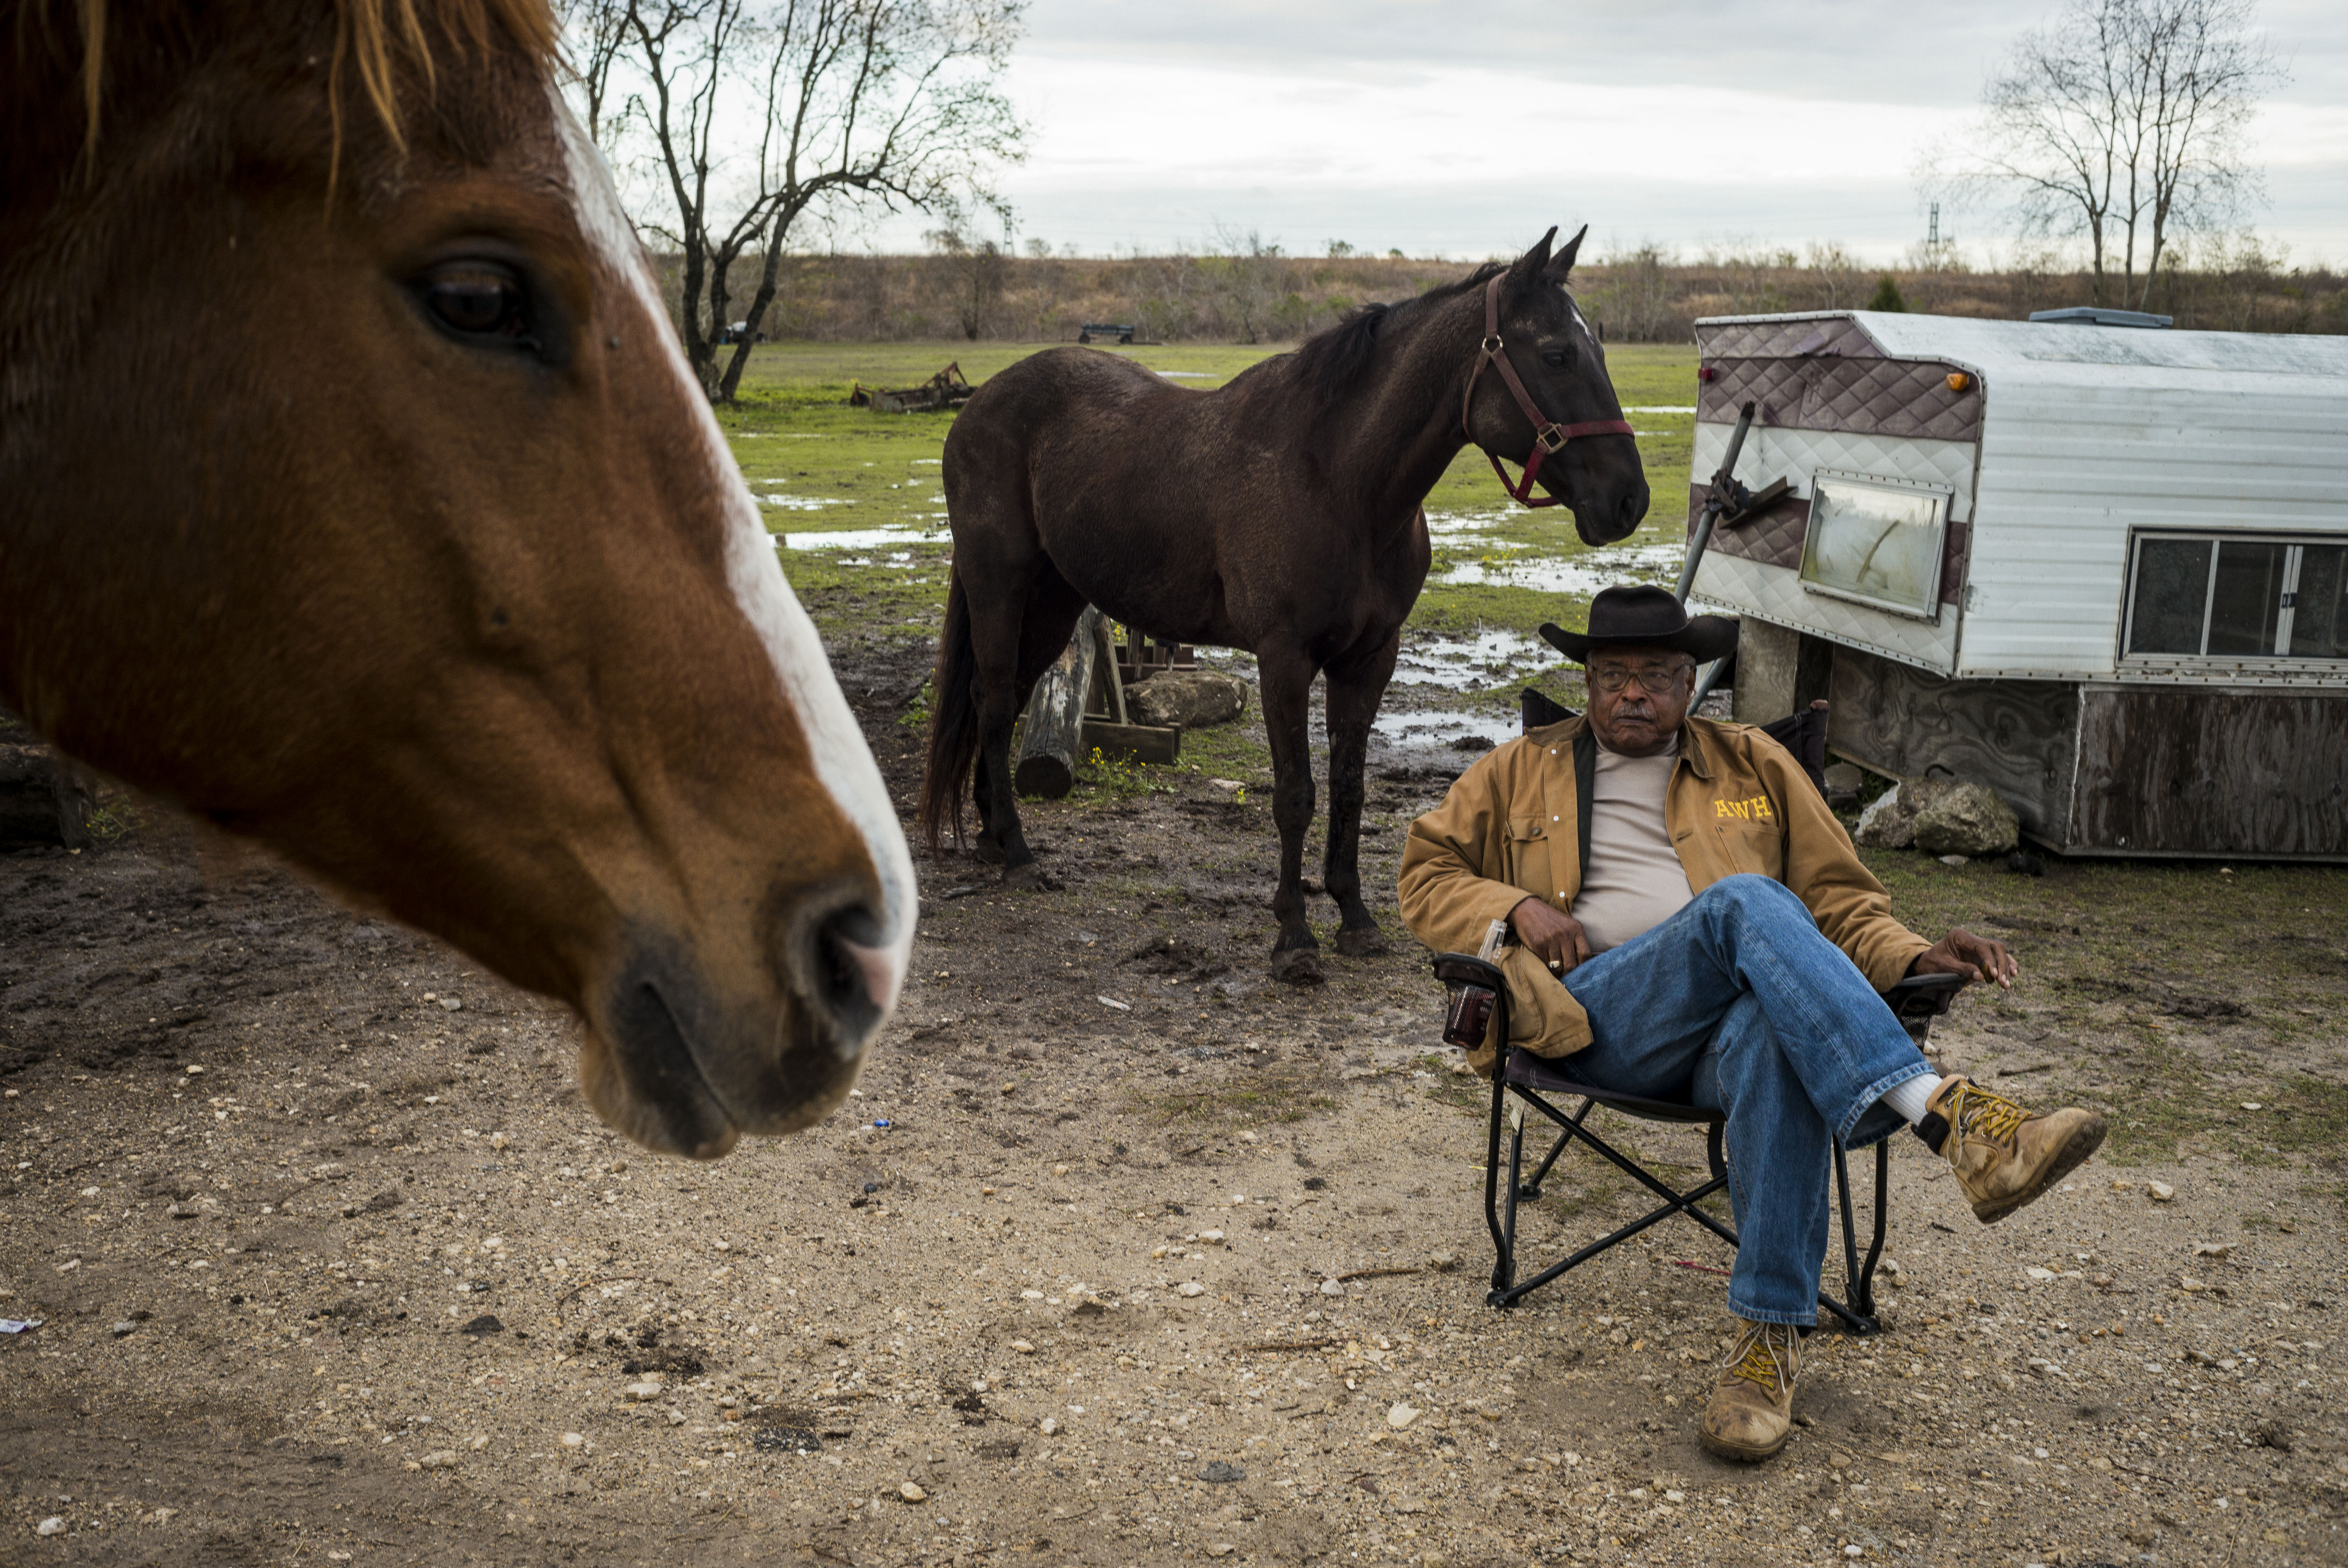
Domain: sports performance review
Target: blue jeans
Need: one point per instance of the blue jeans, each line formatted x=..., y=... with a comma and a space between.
x=1738, y=1002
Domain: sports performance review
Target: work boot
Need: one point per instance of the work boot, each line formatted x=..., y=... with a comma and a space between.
x=1752, y=1409
x=2005, y=1154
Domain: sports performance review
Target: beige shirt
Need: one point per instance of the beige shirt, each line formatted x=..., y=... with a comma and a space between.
x=1634, y=881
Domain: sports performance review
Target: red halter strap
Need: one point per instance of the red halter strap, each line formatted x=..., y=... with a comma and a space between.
x=1549, y=437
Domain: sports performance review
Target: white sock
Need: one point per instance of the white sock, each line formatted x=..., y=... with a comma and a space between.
x=1909, y=1098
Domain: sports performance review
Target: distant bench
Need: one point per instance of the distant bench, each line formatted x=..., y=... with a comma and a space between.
x=1121, y=332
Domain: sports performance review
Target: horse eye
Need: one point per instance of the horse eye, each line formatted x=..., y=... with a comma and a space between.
x=476, y=301
x=1557, y=358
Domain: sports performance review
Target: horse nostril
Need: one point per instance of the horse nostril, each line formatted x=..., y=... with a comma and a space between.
x=1634, y=509
x=848, y=975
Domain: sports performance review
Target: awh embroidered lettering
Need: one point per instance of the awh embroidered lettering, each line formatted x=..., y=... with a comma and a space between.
x=1754, y=810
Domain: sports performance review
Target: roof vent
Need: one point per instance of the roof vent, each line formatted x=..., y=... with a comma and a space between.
x=2097, y=316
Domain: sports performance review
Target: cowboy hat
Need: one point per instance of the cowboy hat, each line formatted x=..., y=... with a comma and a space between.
x=1646, y=617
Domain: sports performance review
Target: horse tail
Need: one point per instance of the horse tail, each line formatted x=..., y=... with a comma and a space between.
x=954, y=720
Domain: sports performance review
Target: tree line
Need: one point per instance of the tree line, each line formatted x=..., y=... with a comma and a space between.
x=1646, y=294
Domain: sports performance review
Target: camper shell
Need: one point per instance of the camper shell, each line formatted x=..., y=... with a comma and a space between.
x=2103, y=569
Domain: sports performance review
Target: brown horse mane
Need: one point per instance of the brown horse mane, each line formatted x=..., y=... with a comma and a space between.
x=374, y=37
x=1324, y=366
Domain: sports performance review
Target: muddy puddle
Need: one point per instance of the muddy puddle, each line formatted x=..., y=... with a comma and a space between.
x=862, y=539
x=1467, y=663
x=1581, y=575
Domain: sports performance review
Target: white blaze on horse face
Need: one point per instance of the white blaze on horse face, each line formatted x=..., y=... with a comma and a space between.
x=843, y=763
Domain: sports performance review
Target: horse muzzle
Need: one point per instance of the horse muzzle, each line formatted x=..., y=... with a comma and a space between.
x=685, y=1063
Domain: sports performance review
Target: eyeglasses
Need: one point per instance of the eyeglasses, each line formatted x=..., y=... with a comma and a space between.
x=1655, y=681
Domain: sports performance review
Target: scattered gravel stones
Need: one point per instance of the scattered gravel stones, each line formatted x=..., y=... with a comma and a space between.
x=1221, y=1473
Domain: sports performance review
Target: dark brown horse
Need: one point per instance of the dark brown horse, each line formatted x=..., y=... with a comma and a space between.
x=354, y=494
x=1279, y=513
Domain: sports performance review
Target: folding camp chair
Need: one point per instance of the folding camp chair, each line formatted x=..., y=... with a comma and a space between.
x=1530, y=1080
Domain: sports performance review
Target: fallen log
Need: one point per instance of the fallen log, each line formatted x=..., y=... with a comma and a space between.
x=1052, y=737
x=44, y=799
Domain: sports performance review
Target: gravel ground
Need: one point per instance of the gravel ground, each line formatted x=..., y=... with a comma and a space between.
x=1120, y=1255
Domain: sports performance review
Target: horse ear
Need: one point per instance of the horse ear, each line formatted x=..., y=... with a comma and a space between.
x=1528, y=266
x=1564, y=262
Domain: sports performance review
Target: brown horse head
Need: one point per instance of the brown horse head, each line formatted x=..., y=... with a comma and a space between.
x=1563, y=367
x=359, y=499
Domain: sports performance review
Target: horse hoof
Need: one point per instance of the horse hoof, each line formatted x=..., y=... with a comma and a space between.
x=1364, y=943
x=1297, y=967
x=1031, y=875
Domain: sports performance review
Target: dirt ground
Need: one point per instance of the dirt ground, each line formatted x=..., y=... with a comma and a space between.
x=333, y=1265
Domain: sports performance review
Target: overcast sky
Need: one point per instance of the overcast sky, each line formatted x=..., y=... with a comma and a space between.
x=1464, y=130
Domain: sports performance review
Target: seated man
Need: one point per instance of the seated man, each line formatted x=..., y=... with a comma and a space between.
x=1721, y=942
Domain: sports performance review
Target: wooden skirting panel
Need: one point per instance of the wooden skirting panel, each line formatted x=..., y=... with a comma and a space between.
x=2114, y=770
x=2182, y=770
x=2016, y=736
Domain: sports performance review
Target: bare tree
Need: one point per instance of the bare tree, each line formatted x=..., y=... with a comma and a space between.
x=2121, y=122
x=1637, y=294
x=596, y=30
x=758, y=114
x=978, y=272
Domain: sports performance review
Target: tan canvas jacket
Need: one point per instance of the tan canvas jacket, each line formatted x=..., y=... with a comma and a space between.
x=1738, y=802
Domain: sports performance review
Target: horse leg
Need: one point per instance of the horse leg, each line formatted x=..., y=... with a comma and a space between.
x=995, y=627
x=1356, y=689
x=1285, y=681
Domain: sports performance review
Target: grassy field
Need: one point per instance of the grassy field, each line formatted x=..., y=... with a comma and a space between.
x=824, y=470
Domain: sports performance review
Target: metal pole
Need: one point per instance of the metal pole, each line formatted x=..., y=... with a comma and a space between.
x=1697, y=544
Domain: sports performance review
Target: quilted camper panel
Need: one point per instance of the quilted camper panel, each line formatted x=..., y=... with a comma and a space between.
x=1775, y=538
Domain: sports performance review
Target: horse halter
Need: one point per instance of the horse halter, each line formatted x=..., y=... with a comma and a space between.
x=1549, y=437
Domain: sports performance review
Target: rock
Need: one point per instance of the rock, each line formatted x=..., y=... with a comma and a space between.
x=1843, y=780
x=1890, y=823
x=1211, y=1238
x=912, y=1493
x=1443, y=1262
x=2161, y=1191
x=641, y=1392
x=122, y=1329
x=52, y=1525
x=574, y=1440
x=1192, y=699
x=1402, y=1415
x=2212, y=1249
x=1048, y=1426
x=1956, y=860
x=1966, y=819
x=182, y=1210
x=1023, y=1347
x=1220, y=1474
x=440, y=1459
x=1190, y=1287
x=486, y=1323
x=1331, y=1287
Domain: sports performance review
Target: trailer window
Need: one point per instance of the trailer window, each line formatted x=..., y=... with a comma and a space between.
x=1876, y=540
x=2204, y=597
x=2319, y=615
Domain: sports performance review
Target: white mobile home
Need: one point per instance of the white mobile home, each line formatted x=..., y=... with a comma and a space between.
x=2104, y=570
